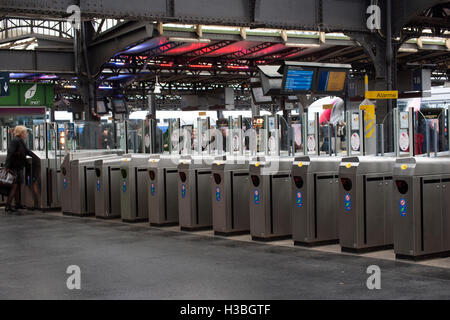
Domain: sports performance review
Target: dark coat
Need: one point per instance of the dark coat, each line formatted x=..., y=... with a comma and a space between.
x=17, y=154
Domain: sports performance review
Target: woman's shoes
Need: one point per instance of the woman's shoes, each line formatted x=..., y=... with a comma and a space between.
x=20, y=207
x=10, y=209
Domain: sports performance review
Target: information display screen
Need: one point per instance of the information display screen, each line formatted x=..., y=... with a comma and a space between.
x=119, y=106
x=313, y=78
x=101, y=107
x=331, y=81
x=298, y=80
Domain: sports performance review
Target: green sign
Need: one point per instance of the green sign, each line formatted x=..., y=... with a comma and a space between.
x=29, y=94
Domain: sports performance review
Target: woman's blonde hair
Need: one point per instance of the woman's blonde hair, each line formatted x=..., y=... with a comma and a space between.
x=19, y=130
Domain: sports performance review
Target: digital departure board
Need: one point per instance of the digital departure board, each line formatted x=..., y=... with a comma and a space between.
x=313, y=78
x=331, y=81
x=101, y=107
x=119, y=105
x=298, y=80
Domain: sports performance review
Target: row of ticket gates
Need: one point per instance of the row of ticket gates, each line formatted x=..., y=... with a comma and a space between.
x=363, y=202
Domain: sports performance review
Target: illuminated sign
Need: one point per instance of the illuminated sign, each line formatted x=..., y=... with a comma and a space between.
x=382, y=95
x=331, y=81
x=298, y=80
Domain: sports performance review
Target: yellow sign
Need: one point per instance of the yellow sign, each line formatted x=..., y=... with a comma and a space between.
x=327, y=106
x=202, y=114
x=369, y=117
x=381, y=95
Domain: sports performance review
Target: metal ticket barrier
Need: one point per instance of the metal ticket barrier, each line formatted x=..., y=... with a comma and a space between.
x=421, y=195
x=270, y=188
x=270, y=210
x=231, y=182
x=42, y=175
x=421, y=206
x=315, y=188
x=41, y=189
x=163, y=179
x=163, y=197
x=365, y=197
x=134, y=188
x=366, y=182
x=83, y=180
x=107, y=191
x=67, y=186
x=314, y=184
x=194, y=182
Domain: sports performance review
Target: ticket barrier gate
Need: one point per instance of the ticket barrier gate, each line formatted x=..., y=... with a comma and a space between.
x=229, y=194
x=163, y=185
x=421, y=207
x=315, y=188
x=134, y=188
x=83, y=184
x=365, y=203
x=270, y=191
x=194, y=193
x=107, y=191
x=67, y=188
x=42, y=175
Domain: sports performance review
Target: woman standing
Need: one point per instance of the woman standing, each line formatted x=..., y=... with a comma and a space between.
x=16, y=160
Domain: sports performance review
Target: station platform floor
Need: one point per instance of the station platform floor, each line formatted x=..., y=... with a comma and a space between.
x=135, y=261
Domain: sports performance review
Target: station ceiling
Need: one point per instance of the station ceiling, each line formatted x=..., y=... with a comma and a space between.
x=185, y=56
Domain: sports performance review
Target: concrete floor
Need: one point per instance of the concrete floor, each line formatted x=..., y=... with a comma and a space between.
x=121, y=261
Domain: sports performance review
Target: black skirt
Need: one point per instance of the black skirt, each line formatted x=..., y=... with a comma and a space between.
x=19, y=177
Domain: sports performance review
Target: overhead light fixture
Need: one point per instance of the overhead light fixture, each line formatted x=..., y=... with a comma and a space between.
x=157, y=89
x=204, y=66
x=407, y=50
x=305, y=45
x=199, y=40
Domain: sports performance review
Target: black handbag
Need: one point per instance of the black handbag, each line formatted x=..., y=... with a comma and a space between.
x=7, y=177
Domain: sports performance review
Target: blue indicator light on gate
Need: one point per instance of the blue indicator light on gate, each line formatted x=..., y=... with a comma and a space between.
x=299, y=199
x=183, y=190
x=256, y=197
x=403, y=207
x=348, y=202
x=65, y=183
x=124, y=187
x=98, y=185
x=152, y=189
x=217, y=194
